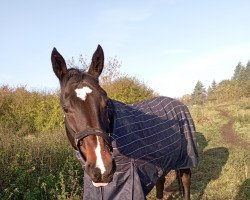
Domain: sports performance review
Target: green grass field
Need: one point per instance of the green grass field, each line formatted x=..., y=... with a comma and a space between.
x=223, y=171
x=43, y=165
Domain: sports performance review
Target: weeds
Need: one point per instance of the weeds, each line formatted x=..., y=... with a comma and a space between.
x=40, y=166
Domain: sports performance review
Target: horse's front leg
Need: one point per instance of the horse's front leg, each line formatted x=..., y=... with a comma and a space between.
x=160, y=187
x=185, y=175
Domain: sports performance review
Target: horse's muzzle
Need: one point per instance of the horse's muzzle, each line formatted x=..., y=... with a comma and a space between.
x=101, y=179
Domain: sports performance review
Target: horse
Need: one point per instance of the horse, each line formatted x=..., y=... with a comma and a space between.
x=125, y=150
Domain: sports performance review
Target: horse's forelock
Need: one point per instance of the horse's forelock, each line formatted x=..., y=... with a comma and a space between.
x=76, y=74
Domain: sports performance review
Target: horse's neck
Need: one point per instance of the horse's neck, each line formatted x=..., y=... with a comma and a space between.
x=111, y=115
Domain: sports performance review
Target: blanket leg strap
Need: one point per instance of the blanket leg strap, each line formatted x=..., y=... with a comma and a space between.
x=160, y=187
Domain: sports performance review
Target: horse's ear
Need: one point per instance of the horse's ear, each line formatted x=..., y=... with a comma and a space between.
x=97, y=63
x=58, y=64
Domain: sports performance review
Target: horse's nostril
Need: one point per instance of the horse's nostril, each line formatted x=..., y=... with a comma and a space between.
x=97, y=174
x=87, y=165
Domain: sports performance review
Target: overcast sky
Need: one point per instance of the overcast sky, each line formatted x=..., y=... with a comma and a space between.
x=168, y=44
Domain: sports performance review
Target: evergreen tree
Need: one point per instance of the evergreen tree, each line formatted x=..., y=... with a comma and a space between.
x=238, y=72
x=242, y=79
x=210, y=91
x=248, y=69
x=247, y=80
x=214, y=85
x=199, y=94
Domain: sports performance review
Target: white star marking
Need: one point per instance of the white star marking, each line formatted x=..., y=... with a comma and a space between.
x=83, y=92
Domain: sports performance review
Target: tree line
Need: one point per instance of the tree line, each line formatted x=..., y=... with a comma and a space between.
x=26, y=111
x=238, y=86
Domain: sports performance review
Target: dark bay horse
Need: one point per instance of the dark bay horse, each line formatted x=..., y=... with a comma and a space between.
x=125, y=149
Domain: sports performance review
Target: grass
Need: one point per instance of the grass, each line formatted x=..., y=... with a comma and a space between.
x=43, y=165
x=225, y=167
x=241, y=111
x=38, y=166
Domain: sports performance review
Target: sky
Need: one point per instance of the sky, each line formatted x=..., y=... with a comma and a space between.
x=168, y=44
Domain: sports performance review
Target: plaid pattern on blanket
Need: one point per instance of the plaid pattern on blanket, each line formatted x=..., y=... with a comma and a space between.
x=149, y=139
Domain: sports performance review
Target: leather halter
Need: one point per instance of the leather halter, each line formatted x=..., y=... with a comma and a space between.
x=90, y=131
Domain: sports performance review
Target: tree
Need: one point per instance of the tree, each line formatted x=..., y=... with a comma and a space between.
x=228, y=90
x=199, y=94
x=247, y=82
x=247, y=70
x=111, y=71
x=238, y=72
x=214, y=85
x=245, y=76
x=186, y=99
x=81, y=64
x=210, y=91
x=242, y=78
x=128, y=90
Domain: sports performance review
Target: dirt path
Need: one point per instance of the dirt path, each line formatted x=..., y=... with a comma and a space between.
x=229, y=134
x=171, y=187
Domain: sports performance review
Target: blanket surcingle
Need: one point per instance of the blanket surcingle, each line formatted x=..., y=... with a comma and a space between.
x=149, y=139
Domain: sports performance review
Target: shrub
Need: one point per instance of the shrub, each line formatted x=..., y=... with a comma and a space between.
x=24, y=112
x=128, y=90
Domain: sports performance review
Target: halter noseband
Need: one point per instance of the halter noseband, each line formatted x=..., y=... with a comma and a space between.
x=89, y=131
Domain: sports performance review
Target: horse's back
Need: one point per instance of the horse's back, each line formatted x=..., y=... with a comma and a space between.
x=159, y=131
x=175, y=110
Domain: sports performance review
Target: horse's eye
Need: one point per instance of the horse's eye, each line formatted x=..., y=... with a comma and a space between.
x=107, y=104
x=65, y=109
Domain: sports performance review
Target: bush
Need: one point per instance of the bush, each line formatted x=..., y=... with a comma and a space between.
x=128, y=90
x=24, y=112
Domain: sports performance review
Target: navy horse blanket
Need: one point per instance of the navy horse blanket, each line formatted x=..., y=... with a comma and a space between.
x=149, y=139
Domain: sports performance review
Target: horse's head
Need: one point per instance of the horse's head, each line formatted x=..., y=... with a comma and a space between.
x=85, y=106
